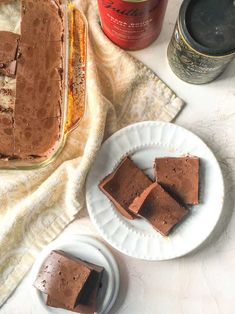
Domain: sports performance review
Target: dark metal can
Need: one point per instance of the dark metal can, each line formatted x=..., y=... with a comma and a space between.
x=203, y=42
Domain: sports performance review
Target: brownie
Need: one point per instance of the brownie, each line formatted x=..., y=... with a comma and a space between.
x=8, y=46
x=180, y=177
x=69, y=282
x=38, y=79
x=123, y=185
x=36, y=58
x=8, y=68
x=87, y=300
x=8, y=53
x=159, y=208
x=62, y=278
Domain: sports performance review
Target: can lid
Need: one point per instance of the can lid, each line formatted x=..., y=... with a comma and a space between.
x=209, y=25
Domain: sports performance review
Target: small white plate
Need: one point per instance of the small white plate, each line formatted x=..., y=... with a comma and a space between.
x=144, y=142
x=89, y=249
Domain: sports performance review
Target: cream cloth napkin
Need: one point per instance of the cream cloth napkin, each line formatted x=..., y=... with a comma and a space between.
x=35, y=206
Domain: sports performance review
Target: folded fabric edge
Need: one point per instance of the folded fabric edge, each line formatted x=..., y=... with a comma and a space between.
x=28, y=259
x=174, y=105
x=171, y=109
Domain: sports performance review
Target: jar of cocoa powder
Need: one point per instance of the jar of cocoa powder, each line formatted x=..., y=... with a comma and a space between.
x=132, y=24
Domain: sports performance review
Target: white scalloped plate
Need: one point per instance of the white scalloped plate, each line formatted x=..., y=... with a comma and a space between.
x=143, y=142
x=89, y=249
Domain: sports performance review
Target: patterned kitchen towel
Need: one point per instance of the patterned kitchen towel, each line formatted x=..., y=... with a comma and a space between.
x=35, y=206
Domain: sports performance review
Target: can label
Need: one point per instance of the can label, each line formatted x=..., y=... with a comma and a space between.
x=192, y=66
x=132, y=25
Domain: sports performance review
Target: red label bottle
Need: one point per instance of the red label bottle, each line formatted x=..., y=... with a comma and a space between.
x=132, y=24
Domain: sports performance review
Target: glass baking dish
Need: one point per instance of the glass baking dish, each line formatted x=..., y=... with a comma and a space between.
x=74, y=87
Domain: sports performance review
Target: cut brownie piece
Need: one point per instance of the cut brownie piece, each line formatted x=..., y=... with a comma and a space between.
x=62, y=278
x=87, y=297
x=180, y=177
x=8, y=68
x=69, y=282
x=87, y=300
x=123, y=185
x=159, y=208
x=8, y=53
x=8, y=46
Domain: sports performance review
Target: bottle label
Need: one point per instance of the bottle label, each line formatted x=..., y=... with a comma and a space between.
x=132, y=25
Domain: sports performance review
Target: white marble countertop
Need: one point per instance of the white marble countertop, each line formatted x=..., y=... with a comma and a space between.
x=204, y=281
